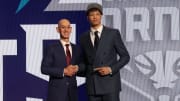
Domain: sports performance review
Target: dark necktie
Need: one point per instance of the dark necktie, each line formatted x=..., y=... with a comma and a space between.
x=68, y=55
x=96, y=40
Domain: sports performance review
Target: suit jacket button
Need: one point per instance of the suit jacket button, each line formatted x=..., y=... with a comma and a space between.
x=67, y=83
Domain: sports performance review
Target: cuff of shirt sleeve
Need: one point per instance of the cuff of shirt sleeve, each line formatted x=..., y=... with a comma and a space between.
x=110, y=71
x=63, y=73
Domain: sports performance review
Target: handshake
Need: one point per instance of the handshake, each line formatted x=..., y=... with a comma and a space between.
x=71, y=70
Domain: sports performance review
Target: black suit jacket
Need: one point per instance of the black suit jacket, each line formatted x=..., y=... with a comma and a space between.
x=110, y=46
x=53, y=64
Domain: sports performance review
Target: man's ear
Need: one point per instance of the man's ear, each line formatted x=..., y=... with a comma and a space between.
x=88, y=18
x=57, y=29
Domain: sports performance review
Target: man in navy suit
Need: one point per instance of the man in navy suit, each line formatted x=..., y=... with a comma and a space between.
x=58, y=63
x=100, y=46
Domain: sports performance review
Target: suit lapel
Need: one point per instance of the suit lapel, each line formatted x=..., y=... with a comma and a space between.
x=101, y=43
x=62, y=52
x=90, y=45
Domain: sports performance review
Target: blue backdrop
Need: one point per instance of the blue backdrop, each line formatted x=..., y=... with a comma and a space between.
x=17, y=83
x=150, y=30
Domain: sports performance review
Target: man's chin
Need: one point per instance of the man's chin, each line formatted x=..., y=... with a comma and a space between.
x=93, y=25
x=65, y=38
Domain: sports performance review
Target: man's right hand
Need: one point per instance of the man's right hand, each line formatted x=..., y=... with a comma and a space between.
x=70, y=70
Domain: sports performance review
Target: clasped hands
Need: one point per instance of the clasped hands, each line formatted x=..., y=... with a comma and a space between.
x=71, y=70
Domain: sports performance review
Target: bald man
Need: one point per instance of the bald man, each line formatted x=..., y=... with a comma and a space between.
x=59, y=63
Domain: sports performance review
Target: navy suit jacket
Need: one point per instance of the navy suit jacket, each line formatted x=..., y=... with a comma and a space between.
x=109, y=47
x=53, y=64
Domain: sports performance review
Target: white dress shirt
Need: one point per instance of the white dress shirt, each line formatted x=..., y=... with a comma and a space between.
x=64, y=46
x=92, y=36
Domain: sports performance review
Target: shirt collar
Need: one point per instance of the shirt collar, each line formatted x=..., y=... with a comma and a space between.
x=98, y=29
x=64, y=43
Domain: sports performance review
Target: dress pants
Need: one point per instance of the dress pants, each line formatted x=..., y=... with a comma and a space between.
x=106, y=97
x=71, y=94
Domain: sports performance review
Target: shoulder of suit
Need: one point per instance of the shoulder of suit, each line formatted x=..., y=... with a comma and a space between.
x=109, y=28
x=85, y=34
x=51, y=47
x=113, y=31
x=73, y=45
x=54, y=45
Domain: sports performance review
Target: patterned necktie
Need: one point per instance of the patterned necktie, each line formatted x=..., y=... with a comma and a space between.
x=68, y=55
x=96, y=40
